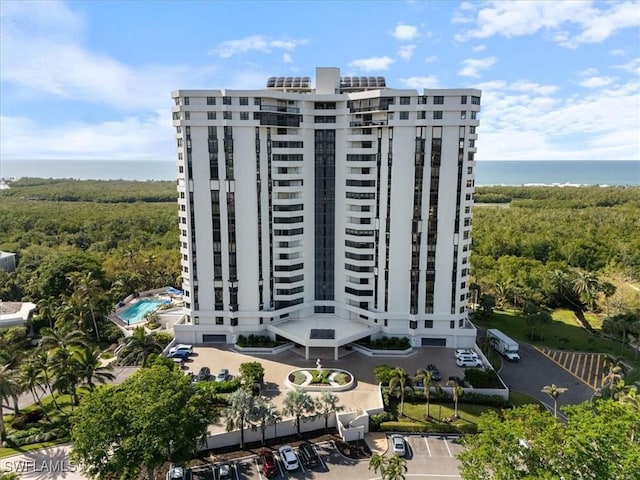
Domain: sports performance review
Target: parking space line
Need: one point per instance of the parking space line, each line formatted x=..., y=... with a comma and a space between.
x=590, y=370
x=446, y=444
x=427, y=444
x=319, y=457
x=255, y=462
x=582, y=366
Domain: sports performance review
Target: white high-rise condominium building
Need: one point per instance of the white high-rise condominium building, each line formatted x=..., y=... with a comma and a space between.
x=325, y=215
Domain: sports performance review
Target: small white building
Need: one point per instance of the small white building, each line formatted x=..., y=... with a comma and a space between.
x=326, y=214
x=7, y=261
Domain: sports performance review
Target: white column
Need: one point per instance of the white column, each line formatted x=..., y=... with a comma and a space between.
x=306, y=352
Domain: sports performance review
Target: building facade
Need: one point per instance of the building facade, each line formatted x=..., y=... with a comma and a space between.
x=324, y=215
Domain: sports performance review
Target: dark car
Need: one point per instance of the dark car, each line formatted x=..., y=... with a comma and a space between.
x=435, y=373
x=308, y=455
x=224, y=471
x=203, y=374
x=268, y=463
x=181, y=354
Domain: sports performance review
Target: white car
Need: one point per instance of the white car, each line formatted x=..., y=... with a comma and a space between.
x=465, y=352
x=289, y=457
x=181, y=347
x=398, y=445
x=469, y=362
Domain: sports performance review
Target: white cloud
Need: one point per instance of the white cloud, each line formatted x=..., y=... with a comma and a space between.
x=43, y=55
x=404, y=32
x=617, y=52
x=471, y=66
x=129, y=138
x=632, y=67
x=372, y=64
x=597, y=82
x=286, y=58
x=430, y=81
x=524, y=120
x=254, y=43
x=570, y=24
x=431, y=59
x=478, y=48
x=406, y=51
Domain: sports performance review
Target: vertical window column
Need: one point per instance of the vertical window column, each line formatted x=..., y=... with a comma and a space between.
x=259, y=202
x=432, y=222
x=416, y=221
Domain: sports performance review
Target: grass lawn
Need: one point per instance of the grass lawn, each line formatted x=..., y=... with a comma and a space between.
x=415, y=412
x=518, y=399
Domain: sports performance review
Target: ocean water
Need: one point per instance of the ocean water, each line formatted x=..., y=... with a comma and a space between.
x=521, y=172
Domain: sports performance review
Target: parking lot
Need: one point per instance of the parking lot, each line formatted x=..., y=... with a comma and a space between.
x=427, y=457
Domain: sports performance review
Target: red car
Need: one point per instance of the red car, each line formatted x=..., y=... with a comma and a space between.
x=268, y=462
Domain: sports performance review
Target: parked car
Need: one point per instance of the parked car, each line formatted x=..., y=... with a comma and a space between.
x=435, y=373
x=181, y=347
x=178, y=361
x=224, y=471
x=308, y=455
x=182, y=354
x=465, y=352
x=398, y=445
x=203, y=374
x=223, y=375
x=288, y=457
x=268, y=463
x=469, y=362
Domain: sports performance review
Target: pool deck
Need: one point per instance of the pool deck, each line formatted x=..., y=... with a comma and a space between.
x=158, y=295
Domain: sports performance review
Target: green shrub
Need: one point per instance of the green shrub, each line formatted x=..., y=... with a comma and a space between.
x=23, y=419
x=486, y=378
x=219, y=387
x=379, y=418
x=387, y=343
x=383, y=373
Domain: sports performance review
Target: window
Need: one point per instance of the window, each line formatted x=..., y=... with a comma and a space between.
x=227, y=115
x=211, y=115
x=257, y=101
x=422, y=115
x=472, y=143
x=413, y=324
x=452, y=324
x=438, y=100
x=475, y=100
x=244, y=100
x=437, y=115
x=186, y=100
x=472, y=130
x=463, y=100
x=405, y=100
x=211, y=100
x=463, y=115
x=404, y=115
x=226, y=100
x=187, y=115
x=422, y=100
x=473, y=115
x=244, y=115
x=219, y=321
x=428, y=324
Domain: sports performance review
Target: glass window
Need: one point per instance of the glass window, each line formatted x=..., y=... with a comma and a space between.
x=227, y=115
x=211, y=115
x=438, y=100
x=437, y=115
x=404, y=115
x=405, y=100
x=211, y=100
x=463, y=100
x=244, y=115
x=244, y=100
x=226, y=100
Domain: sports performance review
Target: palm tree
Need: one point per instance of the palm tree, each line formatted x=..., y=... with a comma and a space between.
x=615, y=372
x=328, y=404
x=139, y=347
x=426, y=377
x=54, y=338
x=299, y=405
x=31, y=378
x=395, y=469
x=586, y=285
x=12, y=359
x=88, y=290
x=264, y=413
x=8, y=387
x=48, y=308
x=89, y=367
x=238, y=413
x=378, y=463
x=400, y=383
x=608, y=289
x=554, y=392
x=42, y=359
x=64, y=374
x=457, y=391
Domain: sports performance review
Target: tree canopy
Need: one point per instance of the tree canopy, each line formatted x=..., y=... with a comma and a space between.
x=153, y=416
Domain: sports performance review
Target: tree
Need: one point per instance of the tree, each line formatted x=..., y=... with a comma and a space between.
x=487, y=303
x=251, y=372
x=300, y=406
x=139, y=347
x=596, y=442
x=9, y=387
x=457, y=392
x=48, y=307
x=264, y=413
x=615, y=371
x=426, y=378
x=238, y=413
x=395, y=469
x=608, y=289
x=156, y=415
x=377, y=463
x=55, y=338
x=88, y=291
x=554, y=392
x=400, y=383
x=89, y=367
x=327, y=404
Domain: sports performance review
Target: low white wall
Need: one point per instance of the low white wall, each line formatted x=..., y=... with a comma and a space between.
x=381, y=353
x=221, y=438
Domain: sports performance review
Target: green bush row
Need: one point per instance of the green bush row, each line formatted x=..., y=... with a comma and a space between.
x=427, y=427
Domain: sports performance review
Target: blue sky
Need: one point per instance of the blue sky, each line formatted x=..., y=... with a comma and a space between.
x=92, y=79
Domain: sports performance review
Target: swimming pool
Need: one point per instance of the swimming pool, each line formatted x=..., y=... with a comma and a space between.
x=135, y=313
